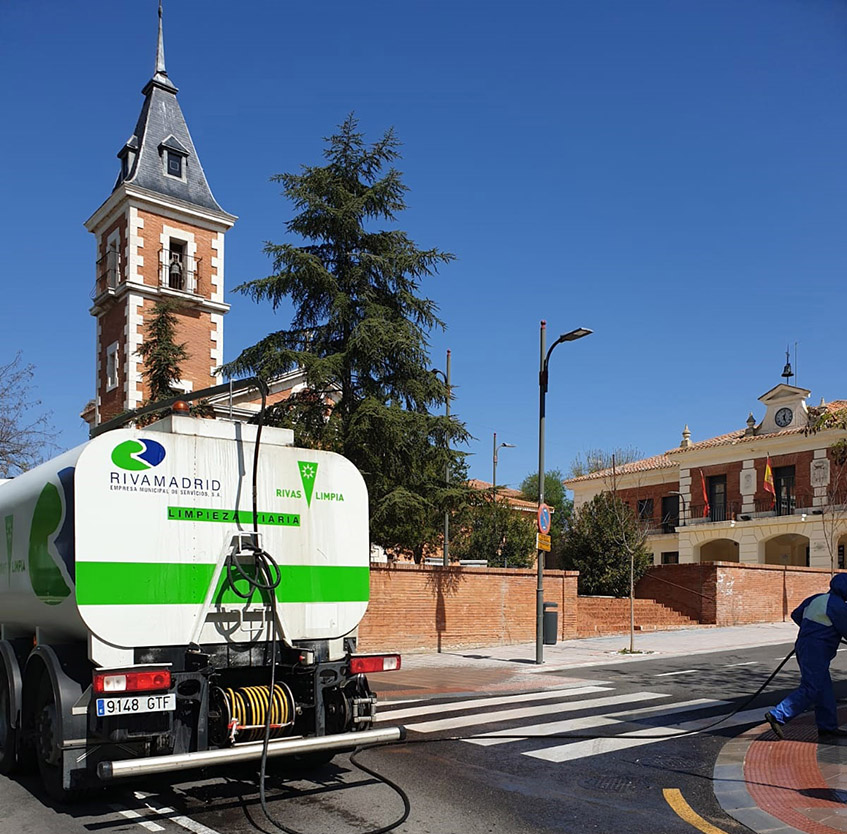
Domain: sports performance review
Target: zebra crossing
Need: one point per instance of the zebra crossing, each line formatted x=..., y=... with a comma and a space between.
x=532, y=722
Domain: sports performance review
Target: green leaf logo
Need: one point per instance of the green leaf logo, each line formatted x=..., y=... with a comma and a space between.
x=308, y=473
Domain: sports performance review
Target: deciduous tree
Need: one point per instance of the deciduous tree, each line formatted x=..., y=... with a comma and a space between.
x=26, y=433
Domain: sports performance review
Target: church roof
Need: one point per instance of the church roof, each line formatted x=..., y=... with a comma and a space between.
x=161, y=126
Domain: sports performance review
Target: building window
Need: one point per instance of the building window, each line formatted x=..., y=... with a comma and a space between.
x=112, y=366
x=783, y=482
x=174, y=162
x=670, y=513
x=670, y=557
x=717, y=498
x=176, y=264
x=645, y=509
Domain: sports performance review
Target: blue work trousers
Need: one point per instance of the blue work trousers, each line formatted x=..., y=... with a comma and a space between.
x=815, y=688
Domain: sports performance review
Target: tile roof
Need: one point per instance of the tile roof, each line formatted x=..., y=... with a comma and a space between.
x=668, y=459
x=644, y=465
x=514, y=497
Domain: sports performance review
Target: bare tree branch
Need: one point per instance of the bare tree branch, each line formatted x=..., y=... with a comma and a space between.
x=26, y=433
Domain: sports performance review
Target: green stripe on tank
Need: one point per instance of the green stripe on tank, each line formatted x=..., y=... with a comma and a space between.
x=169, y=583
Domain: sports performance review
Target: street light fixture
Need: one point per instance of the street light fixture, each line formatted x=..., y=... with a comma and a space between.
x=497, y=447
x=571, y=336
x=446, y=378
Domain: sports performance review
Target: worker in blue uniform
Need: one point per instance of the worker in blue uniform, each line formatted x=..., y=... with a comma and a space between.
x=823, y=622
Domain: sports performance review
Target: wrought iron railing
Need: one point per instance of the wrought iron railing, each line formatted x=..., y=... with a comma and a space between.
x=178, y=271
x=109, y=273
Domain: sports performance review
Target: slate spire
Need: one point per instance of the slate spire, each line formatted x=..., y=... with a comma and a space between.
x=161, y=144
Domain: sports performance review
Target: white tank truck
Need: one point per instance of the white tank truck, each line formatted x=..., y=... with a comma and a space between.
x=131, y=639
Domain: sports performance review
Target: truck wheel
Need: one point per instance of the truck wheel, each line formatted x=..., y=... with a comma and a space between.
x=48, y=741
x=8, y=734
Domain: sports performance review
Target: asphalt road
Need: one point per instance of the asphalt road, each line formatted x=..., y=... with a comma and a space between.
x=496, y=784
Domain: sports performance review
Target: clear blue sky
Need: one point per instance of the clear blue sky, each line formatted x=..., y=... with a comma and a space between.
x=669, y=173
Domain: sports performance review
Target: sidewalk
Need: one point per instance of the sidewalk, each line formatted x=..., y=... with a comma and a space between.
x=507, y=668
x=771, y=786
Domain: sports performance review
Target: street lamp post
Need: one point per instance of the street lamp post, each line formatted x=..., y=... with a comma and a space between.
x=497, y=448
x=446, y=377
x=494, y=479
x=572, y=336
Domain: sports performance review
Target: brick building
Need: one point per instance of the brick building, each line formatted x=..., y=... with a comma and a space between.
x=160, y=234
x=708, y=501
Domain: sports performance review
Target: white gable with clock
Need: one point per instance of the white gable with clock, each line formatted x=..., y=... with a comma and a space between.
x=786, y=409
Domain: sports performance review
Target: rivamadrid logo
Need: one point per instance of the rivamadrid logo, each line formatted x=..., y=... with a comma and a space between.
x=137, y=455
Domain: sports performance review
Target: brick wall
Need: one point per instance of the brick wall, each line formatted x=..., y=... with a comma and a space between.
x=725, y=593
x=654, y=492
x=431, y=607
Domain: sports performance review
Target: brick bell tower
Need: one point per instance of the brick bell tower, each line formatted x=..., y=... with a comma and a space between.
x=159, y=235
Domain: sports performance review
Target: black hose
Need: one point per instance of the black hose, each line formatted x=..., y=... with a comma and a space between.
x=266, y=579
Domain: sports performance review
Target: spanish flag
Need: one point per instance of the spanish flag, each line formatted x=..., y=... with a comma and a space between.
x=769, y=479
x=706, y=508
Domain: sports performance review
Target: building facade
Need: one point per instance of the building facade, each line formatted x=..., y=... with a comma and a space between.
x=774, y=492
x=159, y=235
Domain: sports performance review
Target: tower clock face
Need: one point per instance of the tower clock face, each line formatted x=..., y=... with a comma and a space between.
x=783, y=417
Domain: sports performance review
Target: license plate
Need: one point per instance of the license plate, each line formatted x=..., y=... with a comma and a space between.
x=132, y=705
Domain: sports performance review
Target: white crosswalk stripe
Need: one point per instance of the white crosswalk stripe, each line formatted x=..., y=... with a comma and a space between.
x=622, y=730
x=529, y=712
x=575, y=725
x=459, y=706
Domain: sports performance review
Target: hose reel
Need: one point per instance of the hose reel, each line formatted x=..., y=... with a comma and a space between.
x=241, y=713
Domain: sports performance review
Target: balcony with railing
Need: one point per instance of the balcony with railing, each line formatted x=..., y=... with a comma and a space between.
x=109, y=273
x=716, y=511
x=178, y=271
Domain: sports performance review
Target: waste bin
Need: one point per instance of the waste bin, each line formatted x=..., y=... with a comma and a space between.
x=551, y=623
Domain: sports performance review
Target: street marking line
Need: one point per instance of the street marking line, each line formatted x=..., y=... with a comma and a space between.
x=746, y=663
x=171, y=815
x=680, y=672
x=137, y=818
x=541, y=731
x=674, y=798
x=530, y=712
x=461, y=706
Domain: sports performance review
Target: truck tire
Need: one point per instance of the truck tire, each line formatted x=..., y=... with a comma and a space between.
x=8, y=734
x=48, y=749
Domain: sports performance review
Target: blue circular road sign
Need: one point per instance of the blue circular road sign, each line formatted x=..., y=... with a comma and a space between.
x=544, y=519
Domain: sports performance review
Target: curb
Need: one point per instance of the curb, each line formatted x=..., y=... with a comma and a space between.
x=731, y=791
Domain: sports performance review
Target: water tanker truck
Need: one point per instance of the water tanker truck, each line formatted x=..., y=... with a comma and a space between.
x=140, y=610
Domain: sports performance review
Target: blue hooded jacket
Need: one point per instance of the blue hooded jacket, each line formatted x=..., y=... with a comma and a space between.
x=823, y=617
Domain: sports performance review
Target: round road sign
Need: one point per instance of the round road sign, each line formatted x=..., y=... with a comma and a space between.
x=543, y=519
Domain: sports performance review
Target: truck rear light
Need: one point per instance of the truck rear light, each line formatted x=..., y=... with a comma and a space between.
x=146, y=680
x=363, y=663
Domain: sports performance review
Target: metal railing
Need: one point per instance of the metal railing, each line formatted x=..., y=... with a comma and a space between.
x=178, y=271
x=109, y=273
x=723, y=511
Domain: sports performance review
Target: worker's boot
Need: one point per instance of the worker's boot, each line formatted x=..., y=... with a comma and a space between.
x=775, y=725
x=832, y=734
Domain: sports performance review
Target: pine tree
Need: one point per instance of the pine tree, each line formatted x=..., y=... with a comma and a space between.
x=160, y=352
x=360, y=332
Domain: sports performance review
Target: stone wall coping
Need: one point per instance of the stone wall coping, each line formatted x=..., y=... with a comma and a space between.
x=474, y=571
x=743, y=566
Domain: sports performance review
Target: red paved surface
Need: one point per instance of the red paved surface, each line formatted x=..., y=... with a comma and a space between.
x=785, y=779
